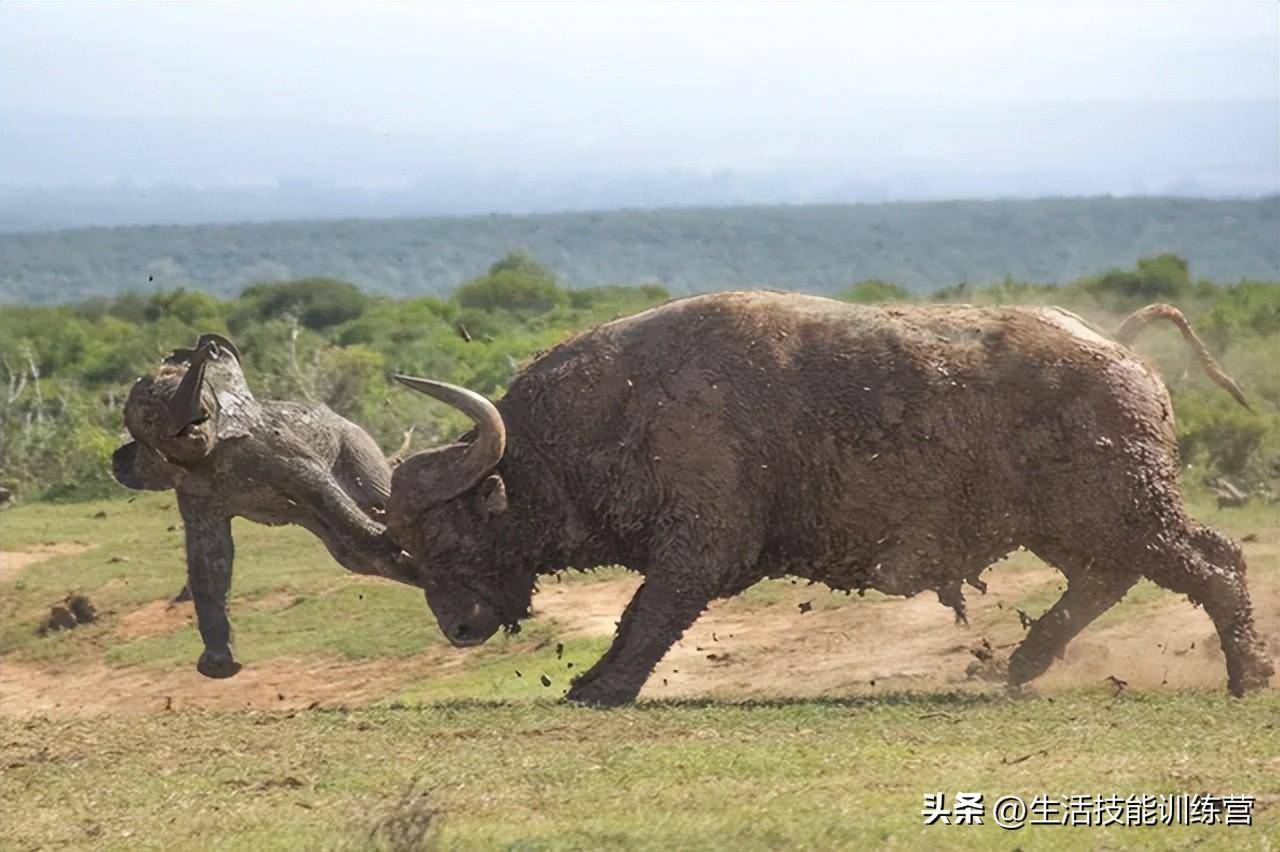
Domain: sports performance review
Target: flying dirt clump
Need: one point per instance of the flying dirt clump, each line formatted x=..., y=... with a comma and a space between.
x=722, y=439
x=68, y=613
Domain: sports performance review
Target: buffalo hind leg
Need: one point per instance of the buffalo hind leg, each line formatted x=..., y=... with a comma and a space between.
x=1210, y=569
x=1089, y=594
x=653, y=621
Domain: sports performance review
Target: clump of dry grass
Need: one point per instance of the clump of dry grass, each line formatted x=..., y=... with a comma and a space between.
x=409, y=825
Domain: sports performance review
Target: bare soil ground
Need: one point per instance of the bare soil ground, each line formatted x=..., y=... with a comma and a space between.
x=14, y=562
x=737, y=650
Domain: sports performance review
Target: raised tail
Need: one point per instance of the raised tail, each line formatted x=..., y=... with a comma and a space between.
x=1139, y=319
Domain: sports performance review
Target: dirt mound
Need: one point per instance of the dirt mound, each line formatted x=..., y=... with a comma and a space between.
x=69, y=613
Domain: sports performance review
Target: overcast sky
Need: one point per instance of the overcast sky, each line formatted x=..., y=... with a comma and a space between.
x=654, y=85
x=417, y=65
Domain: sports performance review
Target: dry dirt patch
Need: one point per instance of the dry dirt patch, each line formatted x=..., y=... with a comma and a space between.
x=14, y=562
x=155, y=619
x=91, y=689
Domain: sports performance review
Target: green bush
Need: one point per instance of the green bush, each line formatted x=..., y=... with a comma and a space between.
x=873, y=290
x=316, y=303
x=1250, y=308
x=1227, y=439
x=324, y=340
x=517, y=283
x=1163, y=278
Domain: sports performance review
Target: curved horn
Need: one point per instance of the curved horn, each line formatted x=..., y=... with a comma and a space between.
x=486, y=451
x=184, y=405
x=221, y=341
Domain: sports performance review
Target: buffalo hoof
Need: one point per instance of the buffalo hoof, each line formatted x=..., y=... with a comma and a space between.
x=597, y=694
x=217, y=665
x=1020, y=692
x=992, y=670
x=1256, y=675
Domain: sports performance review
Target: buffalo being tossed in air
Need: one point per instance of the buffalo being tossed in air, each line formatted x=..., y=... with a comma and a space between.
x=197, y=429
x=722, y=439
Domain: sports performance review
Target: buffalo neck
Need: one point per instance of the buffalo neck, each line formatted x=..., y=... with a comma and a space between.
x=540, y=531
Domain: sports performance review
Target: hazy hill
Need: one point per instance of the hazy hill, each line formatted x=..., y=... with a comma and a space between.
x=921, y=246
x=79, y=171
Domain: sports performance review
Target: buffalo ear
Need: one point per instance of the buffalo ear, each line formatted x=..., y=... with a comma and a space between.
x=219, y=340
x=431, y=477
x=140, y=468
x=492, y=492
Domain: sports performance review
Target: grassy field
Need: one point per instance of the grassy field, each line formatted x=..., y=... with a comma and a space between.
x=533, y=775
x=382, y=737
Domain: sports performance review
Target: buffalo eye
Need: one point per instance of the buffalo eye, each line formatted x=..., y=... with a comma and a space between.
x=204, y=415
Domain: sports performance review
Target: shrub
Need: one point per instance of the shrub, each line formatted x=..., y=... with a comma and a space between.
x=874, y=290
x=517, y=283
x=316, y=303
x=1162, y=278
x=1226, y=438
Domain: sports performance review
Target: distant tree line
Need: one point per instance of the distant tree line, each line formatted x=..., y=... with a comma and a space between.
x=816, y=249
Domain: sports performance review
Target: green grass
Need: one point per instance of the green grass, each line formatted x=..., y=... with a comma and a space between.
x=492, y=670
x=697, y=775
x=522, y=771
x=355, y=621
x=1255, y=516
x=289, y=597
x=291, y=600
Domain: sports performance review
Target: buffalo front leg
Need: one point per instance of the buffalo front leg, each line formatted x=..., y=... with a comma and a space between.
x=1088, y=595
x=655, y=618
x=210, y=553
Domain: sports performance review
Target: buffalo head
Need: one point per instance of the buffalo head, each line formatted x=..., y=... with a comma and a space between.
x=177, y=416
x=448, y=508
